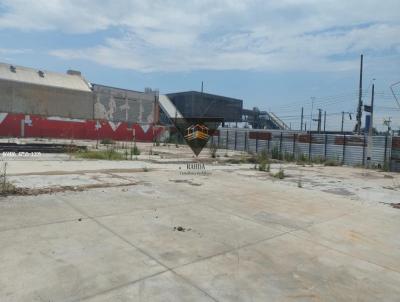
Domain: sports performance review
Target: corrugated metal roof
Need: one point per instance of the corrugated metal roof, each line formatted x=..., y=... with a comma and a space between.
x=42, y=77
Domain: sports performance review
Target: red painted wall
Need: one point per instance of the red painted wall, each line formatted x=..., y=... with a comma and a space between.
x=37, y=126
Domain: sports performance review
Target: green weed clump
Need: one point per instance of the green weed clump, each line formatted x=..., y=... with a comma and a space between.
x=6, y=188
x=103, y=155
x=288, y=157
x=280, y=174
x=135, y=150
x=301, y=159
x=275, y=153
x=263, y=161
x=107, y=141
x=331, y=163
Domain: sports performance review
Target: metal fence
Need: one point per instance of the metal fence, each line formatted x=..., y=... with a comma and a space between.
x=351, y=150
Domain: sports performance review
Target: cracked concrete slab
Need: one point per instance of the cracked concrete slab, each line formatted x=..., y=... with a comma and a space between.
x=372, y=234
x=241, y=235
x=66, y=262
x=211, y=232
x=290, y=269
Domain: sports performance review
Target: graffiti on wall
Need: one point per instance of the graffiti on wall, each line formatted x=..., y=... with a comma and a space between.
x=123, y=106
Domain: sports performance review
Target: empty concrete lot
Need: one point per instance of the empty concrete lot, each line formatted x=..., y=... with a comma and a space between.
x=143, y=231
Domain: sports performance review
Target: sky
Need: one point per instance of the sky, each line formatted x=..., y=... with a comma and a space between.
x=275, y=55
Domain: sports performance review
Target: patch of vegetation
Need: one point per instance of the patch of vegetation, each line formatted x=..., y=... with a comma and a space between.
x=288, y=157
x=386, y=166
x=275, y=153
x=107, y=141
x=264, y=166
x=263, y=156
x=213, y=150
x=263, y=161
x=318, y=160
x=6, y=188
x=301, y=159
x=280, y=174
x=110, y=154
x=252, y=159
x=331, y=163
x=135, y=150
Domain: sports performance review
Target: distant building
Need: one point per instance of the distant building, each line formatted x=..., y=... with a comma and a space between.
x=39, y=103
x=30, y=91
x=199, y=104
x=122, y=105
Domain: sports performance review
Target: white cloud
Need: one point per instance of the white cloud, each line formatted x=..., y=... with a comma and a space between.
x=12, y=51
x=231, y=34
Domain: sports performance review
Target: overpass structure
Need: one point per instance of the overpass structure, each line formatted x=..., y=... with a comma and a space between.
x=263, y=119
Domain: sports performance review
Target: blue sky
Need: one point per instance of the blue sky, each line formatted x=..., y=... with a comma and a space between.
x=273, y=54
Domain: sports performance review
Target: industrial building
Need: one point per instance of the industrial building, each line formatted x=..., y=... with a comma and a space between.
x=38, y=103
x=122, y=105
x=200, y=104
x=38, y=92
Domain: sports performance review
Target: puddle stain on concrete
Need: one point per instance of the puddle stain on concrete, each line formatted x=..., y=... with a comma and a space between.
x=187, y=181
x=339, y=191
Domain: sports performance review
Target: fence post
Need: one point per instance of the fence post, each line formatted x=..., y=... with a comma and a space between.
x=219, y=135
x=309, y=147
x=245, y=141
x=294, y=144
x=268, y=144
x=344, y=148
x=235, y=138
x=385, y=153
x=227, y=138
x=363, y=159
x=256, y=142
x=326, y=145
x=280, y=146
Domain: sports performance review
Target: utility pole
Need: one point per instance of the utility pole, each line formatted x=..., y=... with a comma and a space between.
x=359, y=108
x=387, y=123
x=302, y=115
x=371, y=122
x=312, y=108
x=202, y=86
x=324, y=121
x=319, y=120
x=371, y=125
x=342, y=120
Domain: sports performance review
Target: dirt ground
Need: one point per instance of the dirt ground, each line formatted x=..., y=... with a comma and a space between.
x=150, y=229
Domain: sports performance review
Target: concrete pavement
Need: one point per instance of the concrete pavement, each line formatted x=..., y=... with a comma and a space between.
x=245, y=237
